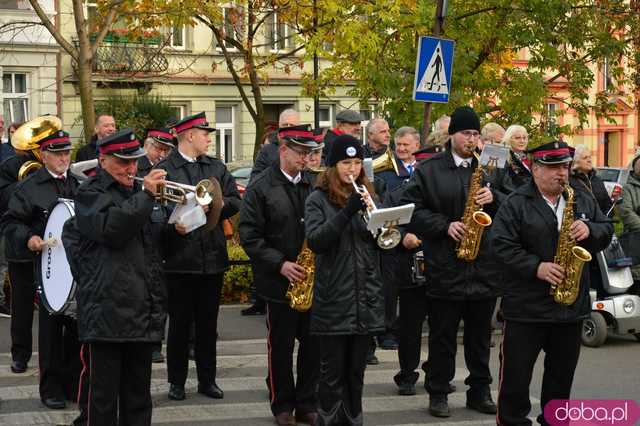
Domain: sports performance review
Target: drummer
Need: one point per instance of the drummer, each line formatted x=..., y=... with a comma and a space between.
x=25, y=222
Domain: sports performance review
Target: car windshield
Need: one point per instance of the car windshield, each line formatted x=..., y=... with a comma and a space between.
x=243, y=172
x=608, y=175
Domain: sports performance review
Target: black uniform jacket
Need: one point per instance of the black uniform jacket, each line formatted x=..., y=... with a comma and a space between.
x=592, y=186
x=200, y=251
x=347, y=295
x=109, y=245
x=525, y=233
x=267, y=156
x=439, y=191
x=9, y=169
x=89, y=151
x=29, y=208
x=272, y=227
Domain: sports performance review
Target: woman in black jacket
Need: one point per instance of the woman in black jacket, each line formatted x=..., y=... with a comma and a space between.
x=584, y=178
x=348, y=305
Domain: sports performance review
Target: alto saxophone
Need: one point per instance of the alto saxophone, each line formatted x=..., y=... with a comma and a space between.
x=300, y=292
x=570, y=256
x=474, y=219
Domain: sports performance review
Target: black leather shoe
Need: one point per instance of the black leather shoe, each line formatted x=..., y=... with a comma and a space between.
x=438, y=406
x=18, y=367
x=483, y=404
x=176, y=392
x=212, y=391
x=54, y=403
x=406, y=389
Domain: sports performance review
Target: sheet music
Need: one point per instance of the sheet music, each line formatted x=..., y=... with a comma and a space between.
x=495, y=154
x=189, y=214
x=390, y=216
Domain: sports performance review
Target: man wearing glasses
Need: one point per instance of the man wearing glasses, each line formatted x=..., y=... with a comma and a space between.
x=157, y=146
x=272, y=233
x=458, y=290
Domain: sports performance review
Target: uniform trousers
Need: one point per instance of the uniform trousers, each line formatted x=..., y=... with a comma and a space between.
x=119, y=379
x=344, y=359
x=58, y=356
x=413, y=310
x=193, y=298
x=284, y=326
x=444, y=319
x=521, y=344
x=23, y=294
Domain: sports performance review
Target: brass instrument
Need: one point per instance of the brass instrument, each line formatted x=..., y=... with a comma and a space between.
x=27, y=136
x=570, y=256
x=385, y=162
x=474, y=219
x=175, y=192
x=389, y=236
x=300, y=293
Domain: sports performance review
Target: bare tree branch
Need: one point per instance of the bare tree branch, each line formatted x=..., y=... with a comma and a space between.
x=55, y=33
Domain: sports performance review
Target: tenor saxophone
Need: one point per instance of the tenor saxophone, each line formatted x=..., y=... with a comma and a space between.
x=570, y=256
x=474, y=219
x=300, y=292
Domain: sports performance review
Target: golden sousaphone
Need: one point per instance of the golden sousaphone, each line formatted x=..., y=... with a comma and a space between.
x=27, y=136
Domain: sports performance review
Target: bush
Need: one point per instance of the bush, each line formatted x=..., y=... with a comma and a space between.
x=137, y=112
x=238, y=279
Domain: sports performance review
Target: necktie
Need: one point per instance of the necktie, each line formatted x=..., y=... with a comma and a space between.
x=410, y=169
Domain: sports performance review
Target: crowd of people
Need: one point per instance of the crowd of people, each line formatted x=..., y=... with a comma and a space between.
x=137, y=275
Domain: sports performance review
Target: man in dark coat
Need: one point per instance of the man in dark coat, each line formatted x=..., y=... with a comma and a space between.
x=105, y=126
x=157, y=145
x=24, y=225
x=120, y=298
x=272, y=233
x=458, y=289
x=526, y=232
x=196, y=261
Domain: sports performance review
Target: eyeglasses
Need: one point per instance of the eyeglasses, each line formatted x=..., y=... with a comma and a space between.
x=470, y=133
x=300, y=152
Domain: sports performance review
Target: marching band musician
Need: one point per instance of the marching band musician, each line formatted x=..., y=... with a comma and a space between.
x=458, y=289
x=526, y=233
x=157, y=146
x=120, y=297
x=195, y=264
x=272, y=233
x=25, y=223
x=348, y=301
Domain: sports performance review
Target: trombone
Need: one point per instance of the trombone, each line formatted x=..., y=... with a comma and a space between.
x=389, y=237
x=174, y=192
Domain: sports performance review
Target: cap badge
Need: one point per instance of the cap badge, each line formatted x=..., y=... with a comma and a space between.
x=351, y=151
x=556, y=146
x=132, y=136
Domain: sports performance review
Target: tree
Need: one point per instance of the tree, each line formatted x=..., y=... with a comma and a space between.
x=375, y=48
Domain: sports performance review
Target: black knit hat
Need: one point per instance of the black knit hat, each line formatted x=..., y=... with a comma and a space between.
x=464, y=118
x=345, y=147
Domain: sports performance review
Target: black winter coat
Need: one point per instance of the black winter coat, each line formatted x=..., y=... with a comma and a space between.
x=200, y=251
x=29, y=209
x=267, y=156
x=272, y=228
x=89, y=151
x=439, y=191
x=120, y=294
x=9, y=169
x=347, y=296
x=525, y=233
x=593, y=187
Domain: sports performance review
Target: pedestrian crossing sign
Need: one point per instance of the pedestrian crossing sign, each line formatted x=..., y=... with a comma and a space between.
x=433, y=70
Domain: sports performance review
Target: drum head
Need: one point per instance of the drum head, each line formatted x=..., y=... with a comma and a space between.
x=57, y=282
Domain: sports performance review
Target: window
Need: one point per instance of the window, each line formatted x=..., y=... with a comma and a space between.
x=178, y=113
x=15, y=4
x=179, y=37
x=233, y=17
x=367, y=114
x=278, y=33
x=225, y=133
x=15, y=100
x=551, y=116
x=607, y=81
x=326, y=116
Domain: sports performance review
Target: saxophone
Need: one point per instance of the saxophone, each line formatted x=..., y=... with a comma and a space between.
x=474, y=219
x=570, y=256
x=300, y=293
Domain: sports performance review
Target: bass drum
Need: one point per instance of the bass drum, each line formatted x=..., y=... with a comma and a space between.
x=57, y=288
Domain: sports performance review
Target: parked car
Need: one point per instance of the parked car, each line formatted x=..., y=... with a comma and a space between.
x=613, y=177
x=241, y=171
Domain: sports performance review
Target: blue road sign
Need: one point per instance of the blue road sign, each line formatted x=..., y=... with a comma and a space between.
x=433, y=70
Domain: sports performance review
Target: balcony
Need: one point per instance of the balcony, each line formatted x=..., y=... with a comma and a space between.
x=120, y=54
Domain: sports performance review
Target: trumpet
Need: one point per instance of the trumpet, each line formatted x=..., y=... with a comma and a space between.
x=389, y=237
x=175, y=192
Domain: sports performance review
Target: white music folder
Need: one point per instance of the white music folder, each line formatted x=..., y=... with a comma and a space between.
x=189, y=214
x=391, y=216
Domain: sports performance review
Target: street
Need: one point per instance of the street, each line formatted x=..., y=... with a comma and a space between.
x=608, y=372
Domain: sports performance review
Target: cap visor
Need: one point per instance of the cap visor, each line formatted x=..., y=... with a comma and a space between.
x=58, y=149
x=551, y=162
x=169, y=144
x=305, y=144
x=132, y=155
x=207, y=128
